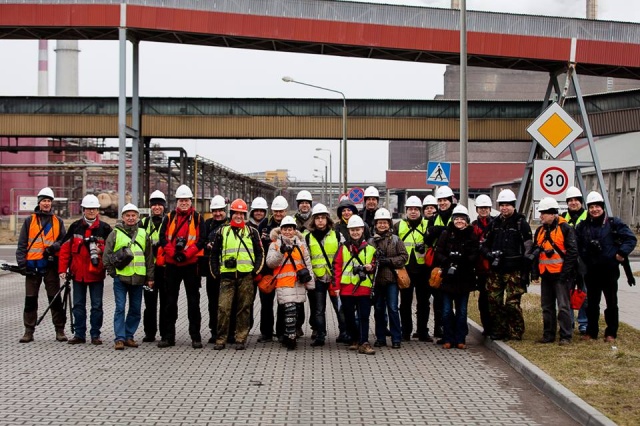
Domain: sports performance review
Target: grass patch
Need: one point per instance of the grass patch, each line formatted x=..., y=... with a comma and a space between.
x=605, y=376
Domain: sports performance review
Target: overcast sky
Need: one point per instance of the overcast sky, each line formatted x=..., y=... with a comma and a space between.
x=197, y=71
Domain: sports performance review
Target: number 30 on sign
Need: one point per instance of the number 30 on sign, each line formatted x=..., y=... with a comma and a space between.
x=552, y=178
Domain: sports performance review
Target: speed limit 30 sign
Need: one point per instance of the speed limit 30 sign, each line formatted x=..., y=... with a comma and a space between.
x=552, y=178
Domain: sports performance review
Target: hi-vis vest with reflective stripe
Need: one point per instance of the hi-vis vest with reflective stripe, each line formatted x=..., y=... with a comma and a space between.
x=287, y=273
x=38, y=243
x=318, y=262
x=366, y=256
x=192, y=238
x=154, y=237
x=582, y=217
x=439, y=222
x=137, y=265
x=232, y=248
x=554, y=263
x=416, y=237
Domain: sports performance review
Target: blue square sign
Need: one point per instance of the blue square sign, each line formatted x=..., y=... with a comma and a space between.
x=438, y=173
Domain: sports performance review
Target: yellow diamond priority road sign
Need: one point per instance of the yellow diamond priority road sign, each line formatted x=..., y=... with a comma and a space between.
x=554, y=130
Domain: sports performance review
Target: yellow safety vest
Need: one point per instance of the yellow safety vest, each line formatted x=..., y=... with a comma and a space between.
x=318, y=262
x=416, y=237
x=137, y=266
x=232, y=248
x=348, y=277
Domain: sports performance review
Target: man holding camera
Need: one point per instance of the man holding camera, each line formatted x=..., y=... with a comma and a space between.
x=411, y=231
x=38, y=245
x=604, y=243
x=236, y=258
x=556, y=253
x=128, y=258
x=182, y=237
x=508, y=239
x=81, y=258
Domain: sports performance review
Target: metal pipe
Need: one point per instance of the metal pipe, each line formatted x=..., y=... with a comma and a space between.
x=464, y=117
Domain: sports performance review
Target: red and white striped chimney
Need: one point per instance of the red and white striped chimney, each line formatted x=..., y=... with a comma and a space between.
x=43, y=68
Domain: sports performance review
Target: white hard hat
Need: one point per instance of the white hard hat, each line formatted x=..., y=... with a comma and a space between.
x=128, y=208
x=319, y=209
x=506, y=196
x=217, y=202
x=382, y=214
x=371, y=192
x=304, y=196
x=430, y=200
x=483, y=200
x=288, y=220
x=355, y=222
x=45, y=193
x=157, y=195
x=443, y=192
x=460, y=209
x=259, y=203
x=594, y=197
x=90, y=201
x=573, y=192
x=183, y=191
x=413, y=201
x=279, y=203
x=547, y=203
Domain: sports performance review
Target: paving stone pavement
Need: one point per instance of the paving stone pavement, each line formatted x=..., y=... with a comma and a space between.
x=52, y=383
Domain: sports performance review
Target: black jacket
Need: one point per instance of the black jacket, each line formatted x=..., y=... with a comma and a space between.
x=456, y=254
x=508, y=239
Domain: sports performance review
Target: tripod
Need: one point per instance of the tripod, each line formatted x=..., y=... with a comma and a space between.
x=67, y=304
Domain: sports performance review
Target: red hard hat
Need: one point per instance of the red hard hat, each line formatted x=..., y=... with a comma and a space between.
x=238, y=205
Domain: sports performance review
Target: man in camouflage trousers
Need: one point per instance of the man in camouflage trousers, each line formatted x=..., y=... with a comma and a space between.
x=508, y=239
x=236, y=257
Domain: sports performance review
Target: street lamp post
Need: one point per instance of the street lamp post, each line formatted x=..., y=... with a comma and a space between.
x=323, y=181
x=330, y=192
x=343, y=151
x=325, y=177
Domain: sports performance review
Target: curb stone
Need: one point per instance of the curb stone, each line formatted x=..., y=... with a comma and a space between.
x=569, y=402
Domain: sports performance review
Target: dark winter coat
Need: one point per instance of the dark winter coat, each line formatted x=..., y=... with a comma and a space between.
x=512, y=237
x=457, y=248
x=600, y=240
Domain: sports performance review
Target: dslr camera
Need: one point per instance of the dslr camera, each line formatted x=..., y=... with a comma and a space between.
x=93, y=250
x=420, y=248
x=230, y=263
x=181, y=243
x=595, y=247
x=453, y=268
x=497, y=254
x=360, y=272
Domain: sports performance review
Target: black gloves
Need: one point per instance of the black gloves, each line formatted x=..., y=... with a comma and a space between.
x=179, y=257
x=284, y=249
x=384, y=261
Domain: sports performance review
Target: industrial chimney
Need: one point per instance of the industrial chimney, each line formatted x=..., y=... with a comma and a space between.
x=43, y=68
x=67, y=68
x=592, y=9
x=455, y=4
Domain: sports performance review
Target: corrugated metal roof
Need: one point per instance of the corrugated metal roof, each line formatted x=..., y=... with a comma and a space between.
x=614, y=152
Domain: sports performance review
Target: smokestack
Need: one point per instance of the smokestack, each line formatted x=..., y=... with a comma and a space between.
x=43, y=68
x=67, y=68
x=592, y=9
x=455, y=4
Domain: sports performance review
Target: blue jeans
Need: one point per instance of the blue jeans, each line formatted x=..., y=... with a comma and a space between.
x=455, y=324
x=387, y=301
x=96, y=291
x=125, y=328
x=360, y=305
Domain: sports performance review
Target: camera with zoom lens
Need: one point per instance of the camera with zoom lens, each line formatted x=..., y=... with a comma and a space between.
x=420, y=248
x=549, y=252
x=595, y=246
x=181, y=243
x=93, y=250
x=452, y=270
x=230, y=263
x=496, y=258
x=360, y=272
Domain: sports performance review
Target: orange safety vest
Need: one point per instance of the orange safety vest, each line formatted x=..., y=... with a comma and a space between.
x=287, y=273
x=38, y=241
x=554, y=263
x=192, y=238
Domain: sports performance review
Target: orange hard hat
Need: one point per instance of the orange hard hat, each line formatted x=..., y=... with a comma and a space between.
x=238, y=205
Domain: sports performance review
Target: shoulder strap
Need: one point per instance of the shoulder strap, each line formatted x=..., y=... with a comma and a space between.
x=307, y=239
x=247, y=248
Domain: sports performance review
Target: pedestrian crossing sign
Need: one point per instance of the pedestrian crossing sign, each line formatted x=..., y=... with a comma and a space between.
x=438, y=173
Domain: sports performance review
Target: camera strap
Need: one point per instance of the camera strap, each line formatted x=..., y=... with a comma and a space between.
x=547, y=238
x=243, y=244
x=324, y=253
x=179, y=227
